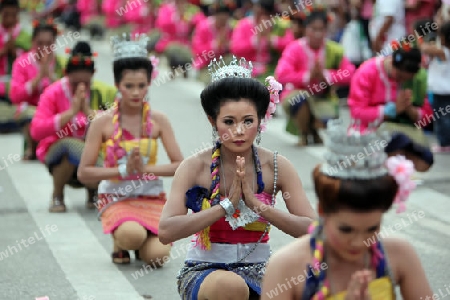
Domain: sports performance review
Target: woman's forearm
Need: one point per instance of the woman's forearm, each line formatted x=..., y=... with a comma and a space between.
x=66, y=117
x=413, y=113
x=293, y=225
x=162, y=170
x=178, y=227
x=97, y=174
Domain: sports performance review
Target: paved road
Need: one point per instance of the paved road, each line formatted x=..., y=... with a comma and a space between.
x=67, y=257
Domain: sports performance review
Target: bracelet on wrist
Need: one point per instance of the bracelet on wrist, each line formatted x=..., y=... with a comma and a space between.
x=123, y=170
x=227, y=206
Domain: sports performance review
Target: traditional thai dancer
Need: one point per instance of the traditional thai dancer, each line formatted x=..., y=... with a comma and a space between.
x=234, y=191
x=112, y=18
x=258, y=36
x=32, y=73
x=212, y=38
x=311, y=69
x=142, y=17
x=131, y=195
x=176, y=21
x=14, y=41
x=344, y=256
x=64, y=110
x=393, y=90
x=90, y=14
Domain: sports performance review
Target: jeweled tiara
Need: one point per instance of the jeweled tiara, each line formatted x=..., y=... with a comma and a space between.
x=129, y=46
x=219, y=69
x=353, y=153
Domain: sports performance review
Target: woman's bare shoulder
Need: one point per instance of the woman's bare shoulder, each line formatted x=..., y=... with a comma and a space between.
x=198, y=162
x=400, y=254
x=293, y=257
x=267, y=156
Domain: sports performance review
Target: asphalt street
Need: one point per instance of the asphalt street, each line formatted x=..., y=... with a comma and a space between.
x=67, y=256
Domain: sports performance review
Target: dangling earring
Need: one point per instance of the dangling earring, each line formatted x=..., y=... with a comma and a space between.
x=215, y=135
x=258, y=136
x=119, y=95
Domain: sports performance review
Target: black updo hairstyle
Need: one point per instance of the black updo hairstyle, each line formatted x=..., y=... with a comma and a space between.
x=234, y=89
x=39, y=27
x=81, y=58
x=317, y=14
x=360, y=195
x=9, y=3
x=407, y=58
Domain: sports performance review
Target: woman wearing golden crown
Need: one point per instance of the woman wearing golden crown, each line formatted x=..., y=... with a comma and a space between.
x=343, y=257
x=130, y=194
x=233, y=193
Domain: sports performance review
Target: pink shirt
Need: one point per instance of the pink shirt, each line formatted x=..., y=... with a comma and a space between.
x=25, y=69
x=45, y=128
x=87, y=9
x=205, y=40
x=114, y=11
x=244, y=43
x=424, y=11
x=141, y=17
x=4, y=38
x=371, y=89
x=173, y=27
x=367, y=9
x=295, y=65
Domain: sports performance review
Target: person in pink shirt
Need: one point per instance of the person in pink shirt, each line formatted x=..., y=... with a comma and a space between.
x=418, y=10
x=14, y=40
x=177, y=20
x=32, y=73
x=63, y=113
x=309, y=69
x=87, y=10
x=142, y=17
x=211, y=39
x=253, y=38
x=90, y=16
x=114, y=11
x=393, y=90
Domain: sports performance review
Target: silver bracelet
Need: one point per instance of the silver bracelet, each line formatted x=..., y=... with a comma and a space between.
x=227, y=206
x=123, y=170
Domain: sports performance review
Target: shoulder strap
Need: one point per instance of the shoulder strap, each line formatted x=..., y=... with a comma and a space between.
x=275, y=177
x=384, y=268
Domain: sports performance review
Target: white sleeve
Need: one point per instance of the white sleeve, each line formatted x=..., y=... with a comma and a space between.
x=447, y=53
x=387, y=8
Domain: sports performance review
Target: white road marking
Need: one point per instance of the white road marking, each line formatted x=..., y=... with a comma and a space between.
x=86, y=263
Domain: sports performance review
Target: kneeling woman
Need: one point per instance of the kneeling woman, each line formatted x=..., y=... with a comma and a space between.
x=64, y=110
x=343, y=256
x=131, y=197
x=233, y=193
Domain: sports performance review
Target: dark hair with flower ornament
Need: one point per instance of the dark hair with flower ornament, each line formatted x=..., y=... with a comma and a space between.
x=81, y=58
x=316, y=12
x=406, y=56
x=44, y=25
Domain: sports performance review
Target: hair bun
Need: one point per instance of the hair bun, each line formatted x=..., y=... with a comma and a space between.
x=82, y=48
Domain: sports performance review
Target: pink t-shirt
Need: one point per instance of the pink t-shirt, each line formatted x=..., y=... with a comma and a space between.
x=425, y=11
x=367, y=9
